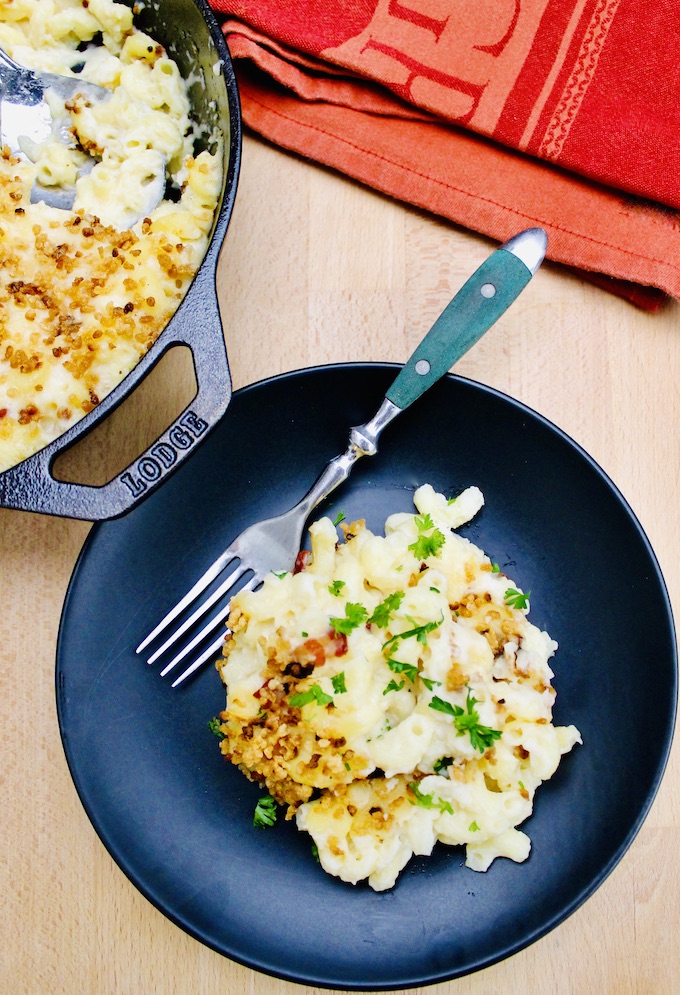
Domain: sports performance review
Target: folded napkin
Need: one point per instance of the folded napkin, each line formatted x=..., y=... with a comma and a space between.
x=496, y=114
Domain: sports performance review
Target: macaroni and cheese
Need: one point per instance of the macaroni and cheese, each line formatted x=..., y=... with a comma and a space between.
x=391, y=692
x=85, y=292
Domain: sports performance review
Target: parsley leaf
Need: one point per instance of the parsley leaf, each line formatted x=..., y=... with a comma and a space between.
x=427, y=545
x=336, y=586
x=440, y=705
x=338, y=682
x=265, y=812
x=428, y=801
x=314, y=693
x=473, y=827
x=280, y=575
x=409, y=669
x=394, y=686
x=495, y=569
x=421, y=633
x=214, y=726
x=429, y=682
x=355, y=614
x=340, y=517
x=442, y=764
x=467, y=720
x=382, y=612
x=516, y=599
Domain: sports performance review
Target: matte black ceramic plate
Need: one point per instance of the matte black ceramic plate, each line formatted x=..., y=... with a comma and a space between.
x=178, y=819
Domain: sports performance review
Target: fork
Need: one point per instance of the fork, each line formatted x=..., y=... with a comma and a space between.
x=26, y=120
x=273, y=544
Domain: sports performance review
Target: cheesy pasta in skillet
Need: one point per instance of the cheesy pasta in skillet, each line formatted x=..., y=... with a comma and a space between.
x=391, y=692
x=85, y=292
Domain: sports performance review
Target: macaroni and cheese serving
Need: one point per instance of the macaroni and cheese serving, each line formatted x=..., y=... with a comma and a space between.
x=391, y=692
x=85, y=292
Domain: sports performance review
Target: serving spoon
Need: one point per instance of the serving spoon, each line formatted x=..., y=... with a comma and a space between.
x=26, y=119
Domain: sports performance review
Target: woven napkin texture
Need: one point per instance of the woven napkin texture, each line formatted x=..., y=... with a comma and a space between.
x=496, y=114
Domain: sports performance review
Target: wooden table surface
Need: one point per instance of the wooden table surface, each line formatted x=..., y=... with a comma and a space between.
x=315, y=270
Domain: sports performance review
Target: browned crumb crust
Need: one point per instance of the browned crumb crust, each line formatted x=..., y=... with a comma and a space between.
x=276, y=747
x=62, y=304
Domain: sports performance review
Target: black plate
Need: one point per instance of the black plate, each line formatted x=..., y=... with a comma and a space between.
x=177, y=818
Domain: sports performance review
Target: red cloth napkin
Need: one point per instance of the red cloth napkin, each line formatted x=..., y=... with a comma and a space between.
x=496, y=114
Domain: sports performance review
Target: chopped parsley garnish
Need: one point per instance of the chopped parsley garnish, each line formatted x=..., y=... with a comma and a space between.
x=314, y=693
x=336, y=586
x=338, y=682
x=442, y=764
x=410, y=669
x=428, y=801
x=429, y=682
x=516, y=599
x=394, y=686
x=280, y=575
x=440, y=705
x=495, y=569
x=355, y=614
x=421, y=633
x=265, y=812
x=430, y=539
x=473, y=827
x=436, y=590
x=467, y=720
x=315, y=852
x=340, y=517
x=214, y=726
x=386, y=608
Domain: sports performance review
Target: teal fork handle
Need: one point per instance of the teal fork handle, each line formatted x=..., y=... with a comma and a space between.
x=479, y=303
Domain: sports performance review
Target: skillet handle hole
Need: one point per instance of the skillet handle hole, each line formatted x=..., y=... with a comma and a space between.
x=134, y=425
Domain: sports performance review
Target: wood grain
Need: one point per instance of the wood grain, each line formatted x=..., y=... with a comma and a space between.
x=318, y=270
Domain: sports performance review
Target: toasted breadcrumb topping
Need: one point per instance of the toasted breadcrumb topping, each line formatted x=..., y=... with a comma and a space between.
x=81, y=300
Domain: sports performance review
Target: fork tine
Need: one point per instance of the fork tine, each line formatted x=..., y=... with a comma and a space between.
x=213, y=570
x=204, y=606
x=211, y=651
x=200, y=636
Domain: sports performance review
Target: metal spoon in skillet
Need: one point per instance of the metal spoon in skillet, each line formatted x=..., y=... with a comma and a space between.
x=26, y=121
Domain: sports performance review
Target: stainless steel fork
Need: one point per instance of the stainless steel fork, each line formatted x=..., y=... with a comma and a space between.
x=273, y=544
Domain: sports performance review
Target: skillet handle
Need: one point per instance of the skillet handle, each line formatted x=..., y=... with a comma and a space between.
x=30, y=486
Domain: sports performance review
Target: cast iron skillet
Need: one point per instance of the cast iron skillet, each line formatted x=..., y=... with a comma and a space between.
x=190, y=33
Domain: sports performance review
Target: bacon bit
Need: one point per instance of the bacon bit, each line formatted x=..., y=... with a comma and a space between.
x=3, y=412
x=311, y=652
x=302, y=561
x=338, y=640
